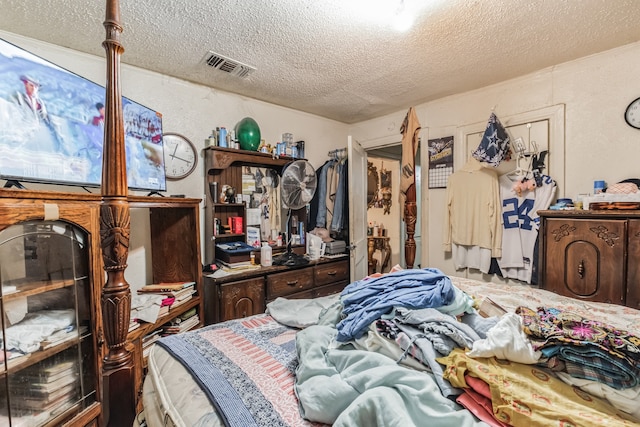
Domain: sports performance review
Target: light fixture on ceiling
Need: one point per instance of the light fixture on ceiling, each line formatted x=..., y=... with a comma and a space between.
x=396, y=14
x=403, y=18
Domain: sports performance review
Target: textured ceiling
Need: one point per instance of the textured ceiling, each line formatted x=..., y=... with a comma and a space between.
x=330, y=57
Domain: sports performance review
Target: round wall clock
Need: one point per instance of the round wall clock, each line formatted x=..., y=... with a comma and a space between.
x=180, y=156
x=632, y=114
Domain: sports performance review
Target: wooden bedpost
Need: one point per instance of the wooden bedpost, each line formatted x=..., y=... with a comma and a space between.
x=410, y=130
x=118, y=369
x=410, y=218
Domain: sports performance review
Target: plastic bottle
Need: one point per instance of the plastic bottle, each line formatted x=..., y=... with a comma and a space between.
x=211, y=141
x=265, y=255
x=222, y=137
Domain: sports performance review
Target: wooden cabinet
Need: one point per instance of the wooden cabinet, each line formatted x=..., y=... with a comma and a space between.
x=50, y=373
x=242, y=299
x=633, y=263
x=247, y=293
x=591, y=255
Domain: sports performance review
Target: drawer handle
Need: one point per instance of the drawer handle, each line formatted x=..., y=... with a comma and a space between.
x=581, y=269
x=332, y=273
x=295, y=282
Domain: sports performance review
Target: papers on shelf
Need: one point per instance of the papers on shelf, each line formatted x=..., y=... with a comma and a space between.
x=9, y=289
x=15, y=309
x=149, y=306
x=146, y=307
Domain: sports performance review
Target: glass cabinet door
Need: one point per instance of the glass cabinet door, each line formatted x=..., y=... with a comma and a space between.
x=47, y=359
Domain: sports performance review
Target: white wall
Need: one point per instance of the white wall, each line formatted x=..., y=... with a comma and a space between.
x=598, y=144
x=191, y=110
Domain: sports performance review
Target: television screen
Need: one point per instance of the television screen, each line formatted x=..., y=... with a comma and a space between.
x=52, y=127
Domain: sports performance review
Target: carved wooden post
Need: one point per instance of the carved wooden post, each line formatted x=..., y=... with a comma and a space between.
x=410, y=130
x=410, y=218
x=118, y=372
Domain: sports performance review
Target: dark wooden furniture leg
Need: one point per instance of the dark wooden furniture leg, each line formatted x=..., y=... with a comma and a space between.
x=410, y=218
x=118, y=370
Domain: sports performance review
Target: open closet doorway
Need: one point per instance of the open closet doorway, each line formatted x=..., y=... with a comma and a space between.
x=384, y=211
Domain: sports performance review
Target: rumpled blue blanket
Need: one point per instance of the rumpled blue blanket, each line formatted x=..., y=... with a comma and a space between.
x=346, y=387
x=367, y=300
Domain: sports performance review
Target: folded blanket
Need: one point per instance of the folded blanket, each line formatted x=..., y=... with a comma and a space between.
x=594, y=364
x=550, y=326
x=588, y=348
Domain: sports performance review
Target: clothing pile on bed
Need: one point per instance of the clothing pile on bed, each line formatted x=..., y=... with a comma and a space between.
x=526, y=368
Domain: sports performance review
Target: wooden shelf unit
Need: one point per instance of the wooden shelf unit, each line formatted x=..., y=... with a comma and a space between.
x=224, y=166
x=175, y=256
x=174, y=225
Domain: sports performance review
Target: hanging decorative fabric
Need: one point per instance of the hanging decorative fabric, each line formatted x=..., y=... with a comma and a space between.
x=410, y=130
x=494, y=147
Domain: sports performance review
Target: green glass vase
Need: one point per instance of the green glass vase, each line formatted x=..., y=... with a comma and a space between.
x=248, y=134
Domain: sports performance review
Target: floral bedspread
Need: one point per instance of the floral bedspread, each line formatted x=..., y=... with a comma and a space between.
x=511, y=297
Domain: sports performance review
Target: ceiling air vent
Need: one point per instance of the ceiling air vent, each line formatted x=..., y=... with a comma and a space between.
x=228, y=65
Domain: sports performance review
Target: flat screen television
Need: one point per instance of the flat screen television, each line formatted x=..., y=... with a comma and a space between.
x=52, y=127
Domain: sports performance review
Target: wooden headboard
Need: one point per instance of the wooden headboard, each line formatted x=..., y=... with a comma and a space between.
x=118, y=370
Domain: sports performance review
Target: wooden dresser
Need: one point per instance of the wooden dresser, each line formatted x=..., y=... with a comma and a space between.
x=248, y=293
x=591, y=255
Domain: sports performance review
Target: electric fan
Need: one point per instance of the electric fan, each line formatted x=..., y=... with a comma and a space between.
x=297, y=187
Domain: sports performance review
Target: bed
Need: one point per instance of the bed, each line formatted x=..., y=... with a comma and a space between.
x=299, y=364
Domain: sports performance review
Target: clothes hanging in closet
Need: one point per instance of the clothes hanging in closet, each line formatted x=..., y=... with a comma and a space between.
x=329, y=207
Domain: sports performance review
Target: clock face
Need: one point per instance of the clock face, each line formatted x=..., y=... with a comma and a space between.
x=180, y=156
x=632, y=114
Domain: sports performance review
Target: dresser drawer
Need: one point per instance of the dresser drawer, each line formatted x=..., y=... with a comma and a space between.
x=322, y=291
x=282, y=284
x=331, y=272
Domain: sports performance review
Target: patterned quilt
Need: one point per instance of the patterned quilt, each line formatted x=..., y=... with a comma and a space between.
x=244, y=366
x=511, y=296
